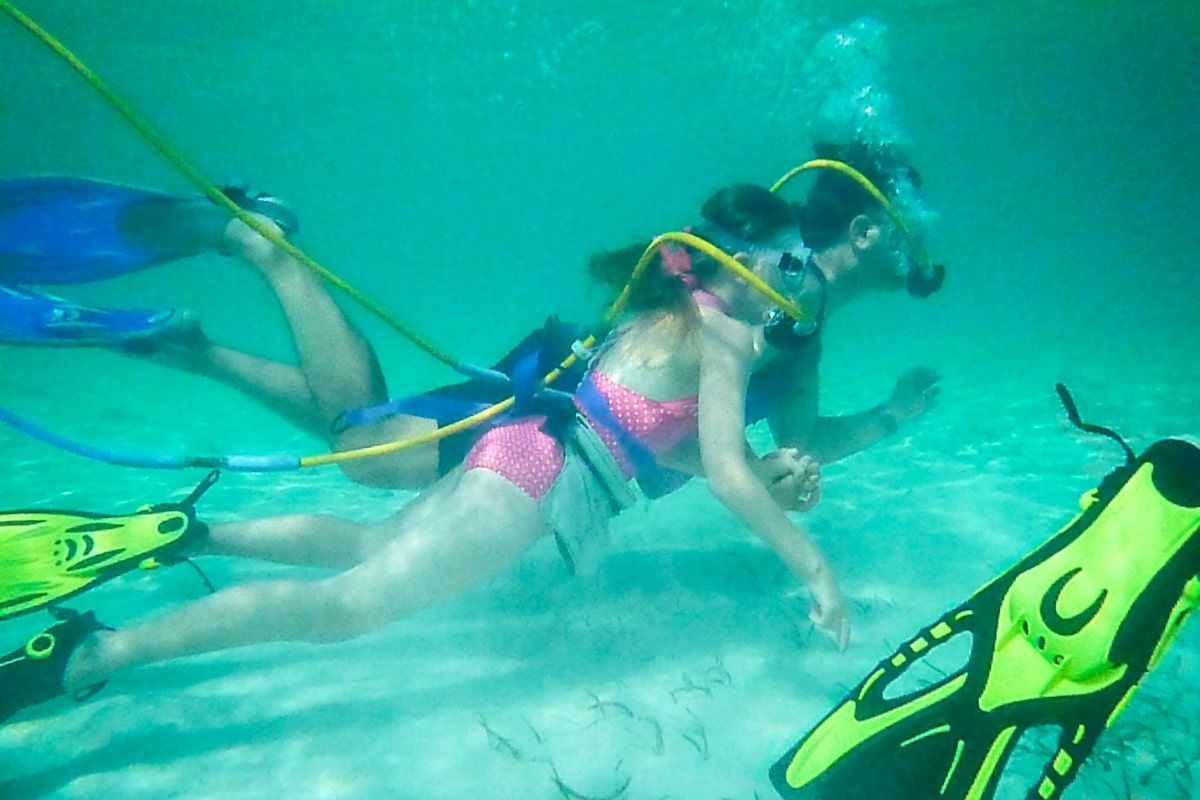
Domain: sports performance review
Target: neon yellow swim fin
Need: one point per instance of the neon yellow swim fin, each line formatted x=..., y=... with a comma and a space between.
x=48, y=556
x=1062, y=639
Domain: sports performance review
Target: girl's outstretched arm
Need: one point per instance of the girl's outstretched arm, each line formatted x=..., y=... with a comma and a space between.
x=727, y=351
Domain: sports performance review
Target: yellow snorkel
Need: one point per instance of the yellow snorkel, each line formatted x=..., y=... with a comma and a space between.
x=928, y=277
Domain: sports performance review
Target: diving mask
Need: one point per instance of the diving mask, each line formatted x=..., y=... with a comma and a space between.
x=804, y=282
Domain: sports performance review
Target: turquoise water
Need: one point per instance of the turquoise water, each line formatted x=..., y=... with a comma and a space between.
x=459, y=161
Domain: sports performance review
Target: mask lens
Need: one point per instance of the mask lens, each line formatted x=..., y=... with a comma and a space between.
x=791, y=270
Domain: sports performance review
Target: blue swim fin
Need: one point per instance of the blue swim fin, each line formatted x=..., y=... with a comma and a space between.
x=56, y=231
x=33, y=318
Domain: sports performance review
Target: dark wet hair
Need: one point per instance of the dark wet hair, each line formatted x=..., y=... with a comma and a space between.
x=748, y=212
x=835, y=199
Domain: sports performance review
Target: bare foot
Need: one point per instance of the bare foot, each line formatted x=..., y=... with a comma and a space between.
x=242, y=240
x=182, y=344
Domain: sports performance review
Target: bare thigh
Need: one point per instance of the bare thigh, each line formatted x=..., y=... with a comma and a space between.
x=476, y=525
x=467, y=528
x=410, y=468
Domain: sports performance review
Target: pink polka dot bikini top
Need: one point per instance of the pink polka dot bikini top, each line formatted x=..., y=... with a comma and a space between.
x=658, y=424
x=646, y=424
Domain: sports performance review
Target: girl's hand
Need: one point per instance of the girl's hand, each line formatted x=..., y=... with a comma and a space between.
x=829, y=609
x=794, y=480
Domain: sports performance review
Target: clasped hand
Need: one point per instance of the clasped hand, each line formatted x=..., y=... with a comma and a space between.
x=793, y=479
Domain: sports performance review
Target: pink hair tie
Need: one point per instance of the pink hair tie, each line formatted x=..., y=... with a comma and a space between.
x=677, y=262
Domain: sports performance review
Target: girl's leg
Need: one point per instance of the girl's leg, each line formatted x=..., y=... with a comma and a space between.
x=284, y=389
x=304, y=540
x=280, y=387
x=340, y=369
x=480, y=526
x=312, y=540
x=338, y=364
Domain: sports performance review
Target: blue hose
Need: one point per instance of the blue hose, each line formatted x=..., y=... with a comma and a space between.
x=236, y=463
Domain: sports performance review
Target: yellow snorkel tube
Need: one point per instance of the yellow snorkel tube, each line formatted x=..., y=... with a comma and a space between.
x=928, y=277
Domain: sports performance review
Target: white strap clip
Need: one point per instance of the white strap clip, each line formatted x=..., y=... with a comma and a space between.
x=581, y=352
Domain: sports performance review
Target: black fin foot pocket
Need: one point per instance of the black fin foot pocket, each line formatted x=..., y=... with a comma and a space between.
x=33, y=673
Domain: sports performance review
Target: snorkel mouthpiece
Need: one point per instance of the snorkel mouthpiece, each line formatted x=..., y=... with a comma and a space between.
x=922, y=283
x=784, y=333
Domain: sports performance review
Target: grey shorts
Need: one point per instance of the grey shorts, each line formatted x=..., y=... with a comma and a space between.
x=590, y=490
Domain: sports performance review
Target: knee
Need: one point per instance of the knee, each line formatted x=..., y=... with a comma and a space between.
x=350, y=612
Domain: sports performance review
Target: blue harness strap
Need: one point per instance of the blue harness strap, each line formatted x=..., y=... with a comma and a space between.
x=596, y=406
x=518, y=373
x=428, y=406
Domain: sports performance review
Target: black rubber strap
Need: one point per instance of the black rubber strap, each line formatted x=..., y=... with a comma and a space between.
x=1073, y=415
